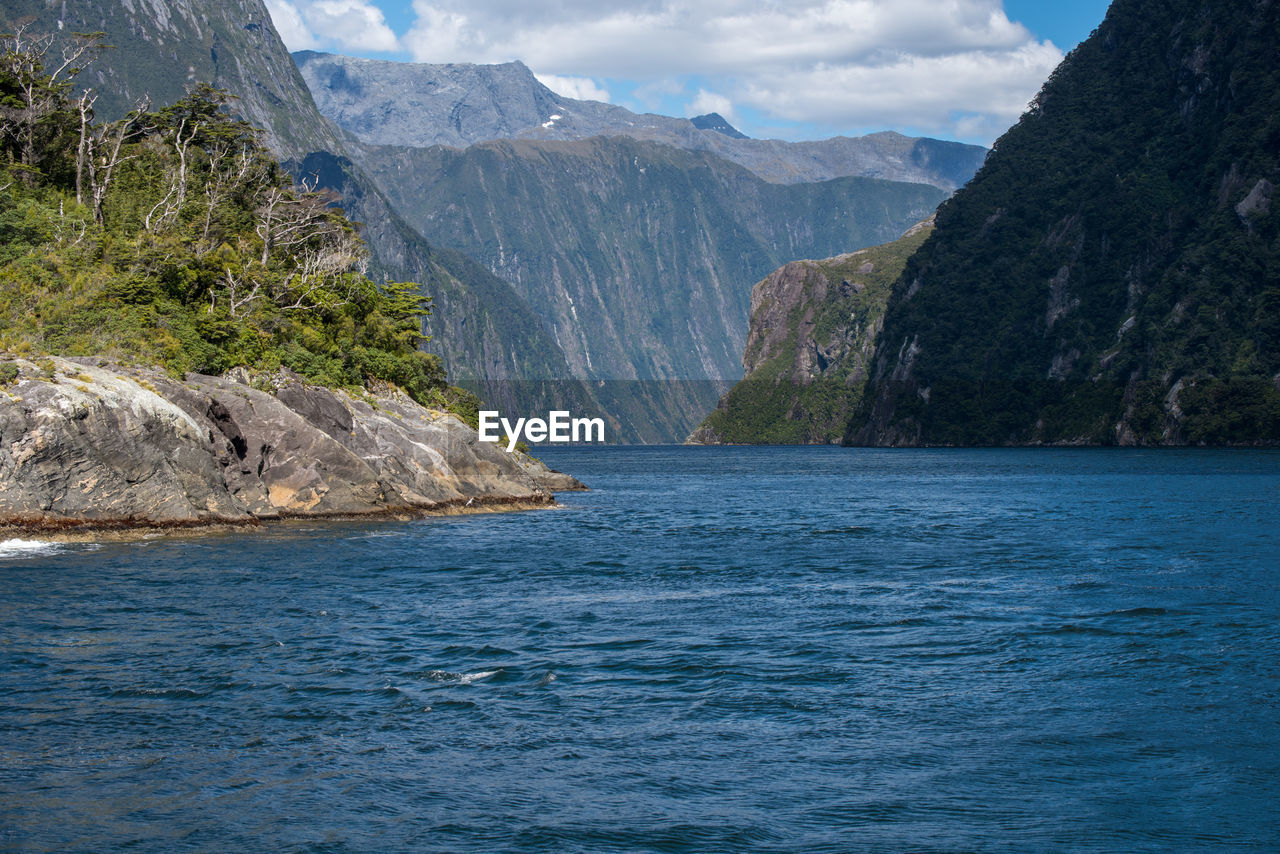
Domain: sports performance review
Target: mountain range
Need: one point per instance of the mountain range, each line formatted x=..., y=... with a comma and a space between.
x=568, y=232
x=1110, y=276
x=458, y=105
x=518, y=263
x=632, y=238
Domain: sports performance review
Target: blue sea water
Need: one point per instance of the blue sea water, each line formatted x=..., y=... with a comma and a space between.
x=716, y=649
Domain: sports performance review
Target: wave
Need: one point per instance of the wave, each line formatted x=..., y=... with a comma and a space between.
x=28, y=548
x=461, y=678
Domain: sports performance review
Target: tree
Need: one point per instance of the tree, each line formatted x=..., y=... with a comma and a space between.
x=199, y=254
x=407, y=307
x=36, y=120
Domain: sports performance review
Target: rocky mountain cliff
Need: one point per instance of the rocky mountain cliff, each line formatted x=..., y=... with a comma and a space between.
x=1112, y=274
x=160, y=47
x=717, y=123
x=632, y=252
x=90, y=444
x=814, y=327
x=421, y=105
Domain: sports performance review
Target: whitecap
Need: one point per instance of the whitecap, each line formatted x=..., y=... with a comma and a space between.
x=461, y=678
x=28, y=548
x=468, y=678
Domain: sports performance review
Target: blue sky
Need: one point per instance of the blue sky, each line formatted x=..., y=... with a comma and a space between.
x=800, y=69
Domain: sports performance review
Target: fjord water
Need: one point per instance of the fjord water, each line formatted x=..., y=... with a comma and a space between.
x=778, y=649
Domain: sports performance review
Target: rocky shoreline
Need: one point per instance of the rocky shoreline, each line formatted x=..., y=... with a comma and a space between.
x=90, y=445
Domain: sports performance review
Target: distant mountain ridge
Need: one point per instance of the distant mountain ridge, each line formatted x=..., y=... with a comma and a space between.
x=458, y=105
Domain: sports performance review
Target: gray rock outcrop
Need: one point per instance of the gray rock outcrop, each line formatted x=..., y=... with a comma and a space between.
x=86, y=443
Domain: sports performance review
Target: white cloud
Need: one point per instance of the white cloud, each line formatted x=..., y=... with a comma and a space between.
x=681, y=36
x=439, y=36
x=289, y=24
x=355, y=25
x=973, y=94
x=581, y=88
x=710, y=102
x=829, y=63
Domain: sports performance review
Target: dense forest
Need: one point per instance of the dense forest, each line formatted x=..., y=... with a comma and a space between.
x=173, y=237
x=1112, y=274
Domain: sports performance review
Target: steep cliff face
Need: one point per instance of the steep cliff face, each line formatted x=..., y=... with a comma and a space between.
x=1112, y=274
x=628, y=237
x=420, y=105
x=479, y=326
x=814, y=327
x=635, y=253
x=92, y=444
x=160, y=47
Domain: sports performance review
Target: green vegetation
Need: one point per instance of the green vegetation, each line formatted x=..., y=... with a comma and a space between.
x=172, y=237
x=1112, y=274
x=805, y=377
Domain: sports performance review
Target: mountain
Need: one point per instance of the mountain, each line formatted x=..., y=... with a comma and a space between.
x=421, y=105
x=717, y=123
x=659, y=276
x=814, y=327
x=1112, y=274
x=631, y=238
x=480, y=325
x=634, y=253
x=158, y=49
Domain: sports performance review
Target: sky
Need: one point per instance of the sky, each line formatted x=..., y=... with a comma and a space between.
x=797, y=69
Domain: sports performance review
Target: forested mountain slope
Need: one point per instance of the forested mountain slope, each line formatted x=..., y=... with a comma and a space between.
x=1112, y=274
x=814, y=328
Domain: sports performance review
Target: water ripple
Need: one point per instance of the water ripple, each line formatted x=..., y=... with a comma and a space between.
x=747, y=649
